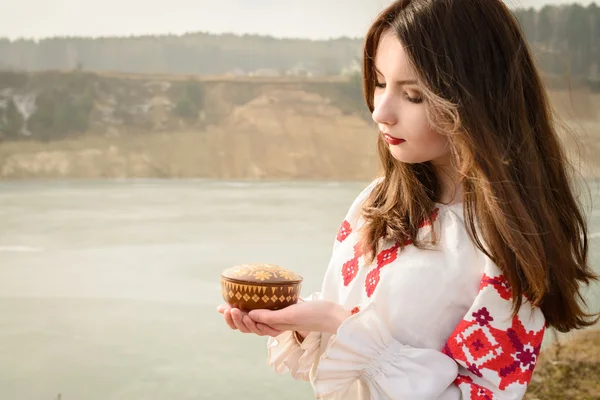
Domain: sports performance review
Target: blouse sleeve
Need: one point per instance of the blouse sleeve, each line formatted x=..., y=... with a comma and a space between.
x=286, y=354
x=489, y=355
x=496, y=352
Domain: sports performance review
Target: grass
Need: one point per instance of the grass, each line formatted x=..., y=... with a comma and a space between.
x=568, y=370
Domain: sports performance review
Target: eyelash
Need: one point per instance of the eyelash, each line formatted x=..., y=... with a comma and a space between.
x=417, y=100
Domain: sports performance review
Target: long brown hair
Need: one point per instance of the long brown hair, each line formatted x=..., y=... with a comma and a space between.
x=482, y=89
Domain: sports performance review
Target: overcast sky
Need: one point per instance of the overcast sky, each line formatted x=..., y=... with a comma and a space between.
x=316, y=19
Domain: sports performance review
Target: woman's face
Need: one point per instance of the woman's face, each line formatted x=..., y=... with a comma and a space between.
x=400, y=110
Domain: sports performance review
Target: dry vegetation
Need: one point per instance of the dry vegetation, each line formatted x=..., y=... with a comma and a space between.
x=569, y=370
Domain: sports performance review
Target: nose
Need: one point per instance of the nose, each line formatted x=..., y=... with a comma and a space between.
x=385, y=111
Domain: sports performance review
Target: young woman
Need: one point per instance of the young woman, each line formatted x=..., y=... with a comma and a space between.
x=448, y=268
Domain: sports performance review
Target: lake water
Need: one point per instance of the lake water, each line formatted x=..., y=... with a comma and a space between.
x=108, y=289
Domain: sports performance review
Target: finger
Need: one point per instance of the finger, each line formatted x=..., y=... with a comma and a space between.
x=229, y=320
x=237, y=315
x=251, y=325
x=262, y=316
x=273, y=318
x=267, y=330
x=222, y=307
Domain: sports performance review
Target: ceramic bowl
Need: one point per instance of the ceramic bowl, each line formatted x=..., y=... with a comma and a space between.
x=260, y=286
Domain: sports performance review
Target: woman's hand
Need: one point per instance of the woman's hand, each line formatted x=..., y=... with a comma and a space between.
x=310, y=316
x=239, y=320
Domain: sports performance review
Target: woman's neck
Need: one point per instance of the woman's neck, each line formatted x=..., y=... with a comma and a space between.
x=450, y=185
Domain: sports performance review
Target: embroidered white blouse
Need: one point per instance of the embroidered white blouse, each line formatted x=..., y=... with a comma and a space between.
x=426, y=324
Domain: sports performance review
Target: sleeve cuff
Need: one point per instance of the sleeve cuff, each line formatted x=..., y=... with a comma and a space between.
x=285, y=354
x=364, y=349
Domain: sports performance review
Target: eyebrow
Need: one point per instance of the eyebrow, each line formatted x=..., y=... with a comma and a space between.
x=401, y=82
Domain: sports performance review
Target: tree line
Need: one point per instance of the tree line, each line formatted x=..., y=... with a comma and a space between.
x=566, y=40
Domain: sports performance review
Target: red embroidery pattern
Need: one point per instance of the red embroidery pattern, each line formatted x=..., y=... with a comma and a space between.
x=433, y=218
x=521, y=349
x=388, y=256
x=344, y=231
x=384, y=258
x=372, y=281
x=476, y=392
x=499, y=283
x=462, y=379
x=350, y=268
x=510, y=354
x=355, y=310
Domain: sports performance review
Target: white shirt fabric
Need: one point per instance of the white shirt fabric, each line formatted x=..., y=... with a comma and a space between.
x=427, y=324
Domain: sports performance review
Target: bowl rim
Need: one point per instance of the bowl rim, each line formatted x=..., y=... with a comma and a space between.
x=283, y=283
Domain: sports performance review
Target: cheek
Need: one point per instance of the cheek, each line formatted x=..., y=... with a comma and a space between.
x=419, y=132
x=435, y=141
x=426, y=146
x=423, y=143
x=414, y=120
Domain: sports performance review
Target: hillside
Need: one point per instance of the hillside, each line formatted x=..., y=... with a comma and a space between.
x=90, y=125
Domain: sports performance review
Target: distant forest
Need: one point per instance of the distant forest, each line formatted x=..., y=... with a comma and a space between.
x=566, y=39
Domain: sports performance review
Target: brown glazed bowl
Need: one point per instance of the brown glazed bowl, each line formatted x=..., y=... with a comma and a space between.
x=260, y=286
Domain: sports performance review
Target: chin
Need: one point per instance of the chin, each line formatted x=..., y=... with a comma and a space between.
x=407, y=157
x=402, y=156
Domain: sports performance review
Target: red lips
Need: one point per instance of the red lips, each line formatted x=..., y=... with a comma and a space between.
x=394, y=141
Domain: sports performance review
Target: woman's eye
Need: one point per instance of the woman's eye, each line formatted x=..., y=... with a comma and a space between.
x=416, y=100
x=380, y=85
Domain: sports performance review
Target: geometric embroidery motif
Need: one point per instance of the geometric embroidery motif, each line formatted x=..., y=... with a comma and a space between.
x=384, y=258
x=510, y=355
x=350, y=268
x=388, y=256
x=476, y=392
x=499, y=283
x=344, y=231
